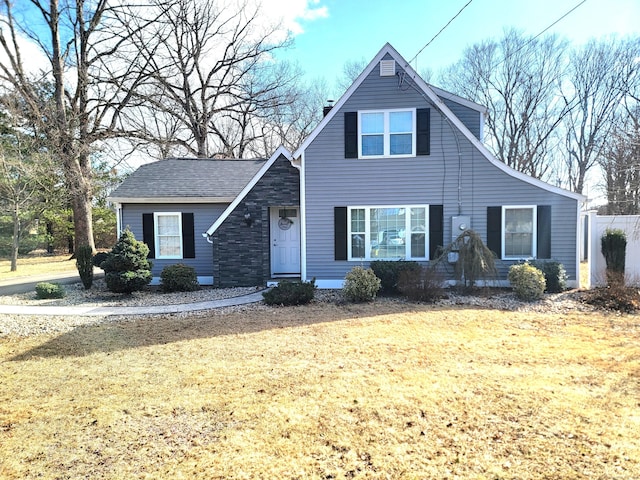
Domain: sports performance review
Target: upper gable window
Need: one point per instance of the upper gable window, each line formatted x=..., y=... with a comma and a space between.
x=387, y=133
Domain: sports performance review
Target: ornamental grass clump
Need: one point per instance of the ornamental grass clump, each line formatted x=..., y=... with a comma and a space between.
x=361, y=285
x=527, y=281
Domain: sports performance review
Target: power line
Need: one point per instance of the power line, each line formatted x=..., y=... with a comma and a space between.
x=536, y=36
x=441, y=30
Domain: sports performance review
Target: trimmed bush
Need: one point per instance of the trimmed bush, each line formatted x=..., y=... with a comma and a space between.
x=361, y=285
x=178, y=278
x=126, y=266
x=614, y=248
x=98, y=258
x=389, y=273
x=554, y=274
x=45, y=290
x=290, y=293
x=527, y=282
x=84, y=264
x=423, y=285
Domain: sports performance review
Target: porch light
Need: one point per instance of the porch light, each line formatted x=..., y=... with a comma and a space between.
x=247, y=218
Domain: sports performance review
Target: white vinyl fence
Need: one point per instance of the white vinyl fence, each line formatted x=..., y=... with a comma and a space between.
x=597, y=225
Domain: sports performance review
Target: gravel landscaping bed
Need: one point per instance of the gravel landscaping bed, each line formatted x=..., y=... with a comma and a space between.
x=98, y=296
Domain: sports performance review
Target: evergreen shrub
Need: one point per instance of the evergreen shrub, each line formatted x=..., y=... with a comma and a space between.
x=527, y=281
x=178, y=278
x=46, y=290
x=84, y=264
x=126, y=266
x=290, y=293
x=389, y=273
x=361, y=285
x=554, y=274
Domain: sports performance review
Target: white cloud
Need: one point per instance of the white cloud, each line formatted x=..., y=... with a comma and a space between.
x=291, y=13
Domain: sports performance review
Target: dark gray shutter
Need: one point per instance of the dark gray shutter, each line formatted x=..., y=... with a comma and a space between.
x=340, y=232
x=188, y=236
x=494, y=230
x=148, y=235
x=544, y=231
x=423, y=131
x=350, y=134
x=436, y=229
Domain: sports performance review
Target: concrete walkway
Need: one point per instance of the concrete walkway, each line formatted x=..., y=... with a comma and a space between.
x=27, y=284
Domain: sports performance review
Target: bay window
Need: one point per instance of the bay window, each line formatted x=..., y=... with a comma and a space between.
x=387, y=233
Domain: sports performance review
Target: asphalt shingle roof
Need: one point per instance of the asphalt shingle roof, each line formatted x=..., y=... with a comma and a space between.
x=188, y=178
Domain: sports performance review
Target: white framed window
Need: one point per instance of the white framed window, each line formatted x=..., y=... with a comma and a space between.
x=168, y=234
x=388, y=232
x=519, y=232
x=387, y=133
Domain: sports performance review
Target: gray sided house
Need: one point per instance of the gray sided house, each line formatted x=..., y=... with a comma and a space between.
x=173, y=206
x=395, y=170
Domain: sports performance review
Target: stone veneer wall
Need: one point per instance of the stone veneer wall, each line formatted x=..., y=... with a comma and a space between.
x=241, y=253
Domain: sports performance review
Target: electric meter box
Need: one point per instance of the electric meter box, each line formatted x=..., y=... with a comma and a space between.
x=458, y=225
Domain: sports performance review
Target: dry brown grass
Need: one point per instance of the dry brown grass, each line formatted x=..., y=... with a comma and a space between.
x=388, y=390
x=37, y=265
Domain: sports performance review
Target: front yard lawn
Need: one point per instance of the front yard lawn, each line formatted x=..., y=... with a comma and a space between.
x=387, y=390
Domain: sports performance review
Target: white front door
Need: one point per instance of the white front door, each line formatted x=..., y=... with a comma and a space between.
x=285, y=241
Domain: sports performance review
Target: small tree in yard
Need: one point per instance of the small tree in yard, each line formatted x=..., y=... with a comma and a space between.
x=614, y=248
x=475, y=261
x=126, y=266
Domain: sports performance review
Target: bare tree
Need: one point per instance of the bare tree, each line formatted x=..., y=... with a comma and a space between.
x=210, y=75
x=516, y=78
x=620, y=163
x=79, y=39
x=600, y=75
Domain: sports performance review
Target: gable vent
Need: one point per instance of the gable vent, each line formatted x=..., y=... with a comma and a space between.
x=387, y=68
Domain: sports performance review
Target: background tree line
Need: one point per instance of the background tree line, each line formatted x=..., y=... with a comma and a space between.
x=201, y=78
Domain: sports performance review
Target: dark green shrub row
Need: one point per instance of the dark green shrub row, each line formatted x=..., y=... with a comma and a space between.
x=49, y=290
x=426, y=284
x=554, y=274
x=178, y=278
x=389, y=273
x=290, y=293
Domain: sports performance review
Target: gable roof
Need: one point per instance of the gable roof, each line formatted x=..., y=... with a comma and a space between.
x=187, y=180
x=434, y=97
x=281, y=151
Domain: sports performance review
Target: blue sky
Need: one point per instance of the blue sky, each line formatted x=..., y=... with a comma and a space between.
x=352, y=30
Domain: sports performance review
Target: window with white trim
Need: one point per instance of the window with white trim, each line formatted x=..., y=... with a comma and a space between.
x=388, y=233
x=168, y=235
x=519, y=231
x=386, y=133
